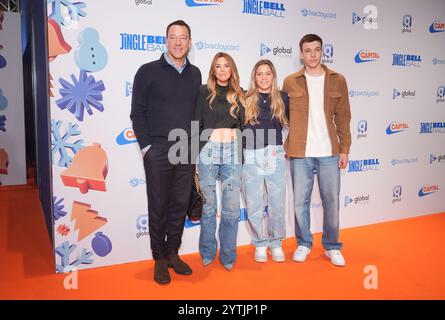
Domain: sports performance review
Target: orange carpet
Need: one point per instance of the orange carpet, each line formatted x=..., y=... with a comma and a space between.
x=408, y=256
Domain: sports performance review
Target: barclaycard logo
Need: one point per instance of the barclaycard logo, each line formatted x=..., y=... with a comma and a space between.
x=363, y=93
x=135, y=182
x=311, y=13
x=396, y=127
x=437, y=61
x=203, y=3
x=407, y=22
x=202, y=45
x=126, y=137
x=437, y=26
x=366, y=56
x=428, y=189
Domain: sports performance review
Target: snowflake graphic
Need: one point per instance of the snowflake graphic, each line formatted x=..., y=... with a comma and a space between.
x=60, y=143
x=80, y=95
x=74, y=9
x=58, y=207
x=3, y=123
x=64, y=251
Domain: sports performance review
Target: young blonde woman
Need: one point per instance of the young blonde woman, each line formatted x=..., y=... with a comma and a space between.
x=220, y=112
x=263, y=170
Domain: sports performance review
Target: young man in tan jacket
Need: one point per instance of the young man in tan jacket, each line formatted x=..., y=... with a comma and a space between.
x=318, y=143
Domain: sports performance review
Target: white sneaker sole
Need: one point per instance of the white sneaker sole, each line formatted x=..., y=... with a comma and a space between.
x=332, y=262
x=301, y=260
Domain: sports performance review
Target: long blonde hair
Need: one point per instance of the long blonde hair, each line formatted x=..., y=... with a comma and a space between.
x=235, y=93
x=277, y=108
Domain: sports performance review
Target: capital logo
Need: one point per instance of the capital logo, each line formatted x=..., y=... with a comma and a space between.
x=428, y=189
x=202, y=3
x=396, y=194
x=407, y=22
x=142, y=226
x=437, y=26
x=328, y=53
x=440, y=94
x=362, y=129
x=126, y=137
x=369, y=20
x=264, y=49
x=406, y=60
x=396, y=127
x=128, y=88
x=366, y=56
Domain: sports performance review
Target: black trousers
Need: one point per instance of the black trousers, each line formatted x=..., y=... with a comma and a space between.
x=168, y=192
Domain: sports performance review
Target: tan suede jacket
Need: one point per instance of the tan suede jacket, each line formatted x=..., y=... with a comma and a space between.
x=336, y=108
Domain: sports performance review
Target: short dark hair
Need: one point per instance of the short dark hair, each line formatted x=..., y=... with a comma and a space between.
x=310, y=38
x=179, y=23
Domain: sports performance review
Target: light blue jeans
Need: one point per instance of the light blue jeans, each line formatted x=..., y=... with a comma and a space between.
x=328, y=176
x=219, y=160
x=264, y=173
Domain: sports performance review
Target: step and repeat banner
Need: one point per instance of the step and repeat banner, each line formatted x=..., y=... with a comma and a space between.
x=12, y=118
x=391, y=54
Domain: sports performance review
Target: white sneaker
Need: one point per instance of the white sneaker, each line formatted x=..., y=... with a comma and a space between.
x=301, y=254
x=261, y=254
x=336, y=258
x=278, y=254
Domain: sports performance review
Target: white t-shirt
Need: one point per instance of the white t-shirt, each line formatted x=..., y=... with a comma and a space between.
x=318, y=143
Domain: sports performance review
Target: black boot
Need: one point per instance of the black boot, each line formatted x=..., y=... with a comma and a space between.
x=161, y=272
x=178, y=265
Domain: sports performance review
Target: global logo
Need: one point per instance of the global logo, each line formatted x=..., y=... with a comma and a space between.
x=328, y=54
x=407, y=22
x=128, y=88
x=406, y=60
x=439, y=158
x=396, y=194
x=126, y=137
x=362, y=199
x=203, y=3
x=217, y=46
x=432, y=127
x=142, y=42
x=437, y=26
x=276, y=51
x=138, y=2
x=404, y=94
x=437, y=61
x=396, y=127
x=362, y=129
x=366, y=56
x=440, y=94
x=264, y=8
x=395, y=162
x=363, y=165
x=319, y=14
x=428, y=189
x=142, y=226
x=369, y=20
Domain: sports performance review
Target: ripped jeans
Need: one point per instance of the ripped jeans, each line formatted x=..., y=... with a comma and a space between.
x=218, y=160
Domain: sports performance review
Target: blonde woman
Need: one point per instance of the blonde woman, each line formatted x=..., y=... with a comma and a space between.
x=220, y=112
x=263, y=171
